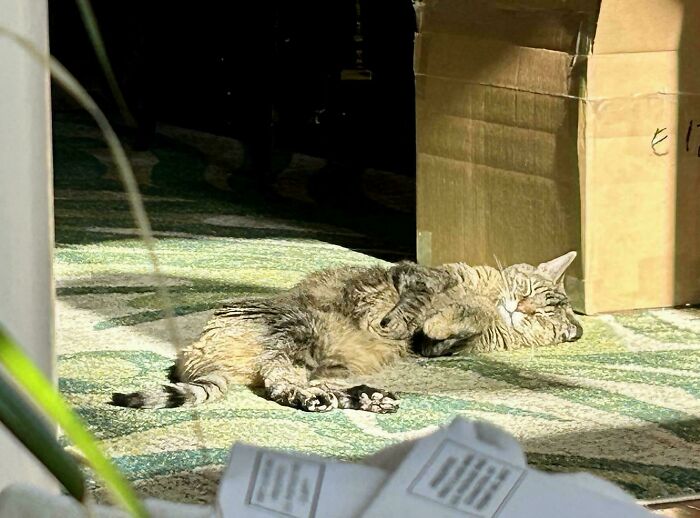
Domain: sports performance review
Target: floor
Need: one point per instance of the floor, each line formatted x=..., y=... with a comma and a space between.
x=622, y=403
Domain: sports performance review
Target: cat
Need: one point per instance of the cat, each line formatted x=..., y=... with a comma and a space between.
x=300, y=344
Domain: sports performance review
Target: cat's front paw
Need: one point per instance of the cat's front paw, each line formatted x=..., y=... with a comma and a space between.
x=392, y=326
x=437, y=327
x=368, y=399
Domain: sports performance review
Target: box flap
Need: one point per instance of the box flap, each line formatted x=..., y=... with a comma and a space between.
x=474, y=60
x=626, y=26
x=548, y=25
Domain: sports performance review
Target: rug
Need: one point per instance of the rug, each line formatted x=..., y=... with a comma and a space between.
x=622, y=403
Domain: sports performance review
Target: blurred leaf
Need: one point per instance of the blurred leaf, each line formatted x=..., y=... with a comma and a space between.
x=43, y=394
x=32, y=431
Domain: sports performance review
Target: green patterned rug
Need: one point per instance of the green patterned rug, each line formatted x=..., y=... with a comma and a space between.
x=623, y=403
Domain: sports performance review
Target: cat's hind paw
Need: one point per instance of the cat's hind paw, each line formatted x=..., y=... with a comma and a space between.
x=309, y=399
x=317, y=401
x=368, y=399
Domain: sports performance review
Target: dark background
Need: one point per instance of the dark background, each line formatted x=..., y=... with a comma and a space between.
x=265, y=72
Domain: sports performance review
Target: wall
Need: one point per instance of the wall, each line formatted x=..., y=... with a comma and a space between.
x=26, y=216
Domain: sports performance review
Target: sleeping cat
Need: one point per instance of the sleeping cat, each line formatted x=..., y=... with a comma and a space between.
x=300, y=344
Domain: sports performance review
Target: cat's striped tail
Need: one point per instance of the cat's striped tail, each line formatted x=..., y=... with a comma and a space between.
x=195, y=392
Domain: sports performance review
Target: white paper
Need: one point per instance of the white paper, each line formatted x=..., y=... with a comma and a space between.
x=468, y=469
x=473, y=469
x=265, y=483
x=465, y=479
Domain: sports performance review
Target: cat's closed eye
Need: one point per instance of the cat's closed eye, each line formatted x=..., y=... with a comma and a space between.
x=524, y=287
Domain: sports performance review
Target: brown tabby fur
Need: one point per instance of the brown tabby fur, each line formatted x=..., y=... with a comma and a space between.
x=354, y=321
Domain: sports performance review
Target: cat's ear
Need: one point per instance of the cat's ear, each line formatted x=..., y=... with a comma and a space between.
x=555, y=268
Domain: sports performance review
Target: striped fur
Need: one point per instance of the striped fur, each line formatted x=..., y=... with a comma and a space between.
x=335, y=324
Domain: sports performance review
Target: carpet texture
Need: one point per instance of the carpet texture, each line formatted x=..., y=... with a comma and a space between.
x=622, y=403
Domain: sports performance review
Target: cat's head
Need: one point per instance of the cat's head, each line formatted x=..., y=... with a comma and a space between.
x=532, y=302
x=518, y=306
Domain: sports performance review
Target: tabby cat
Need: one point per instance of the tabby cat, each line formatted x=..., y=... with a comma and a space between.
x=300, y=344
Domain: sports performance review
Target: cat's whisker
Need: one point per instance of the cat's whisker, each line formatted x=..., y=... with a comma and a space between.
x=510, y=292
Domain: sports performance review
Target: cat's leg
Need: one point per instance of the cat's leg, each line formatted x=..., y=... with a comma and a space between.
x=451, y=320
x=450, y=328
x=358, y=397
x=416, y=286
x=306, y=344
x=287, y=384
x=288, y=336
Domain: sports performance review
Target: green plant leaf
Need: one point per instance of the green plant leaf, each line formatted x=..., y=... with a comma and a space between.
x=43, y=394
x=32, y=431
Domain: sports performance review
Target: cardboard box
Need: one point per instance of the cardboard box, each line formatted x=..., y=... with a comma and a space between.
x=553, y=125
